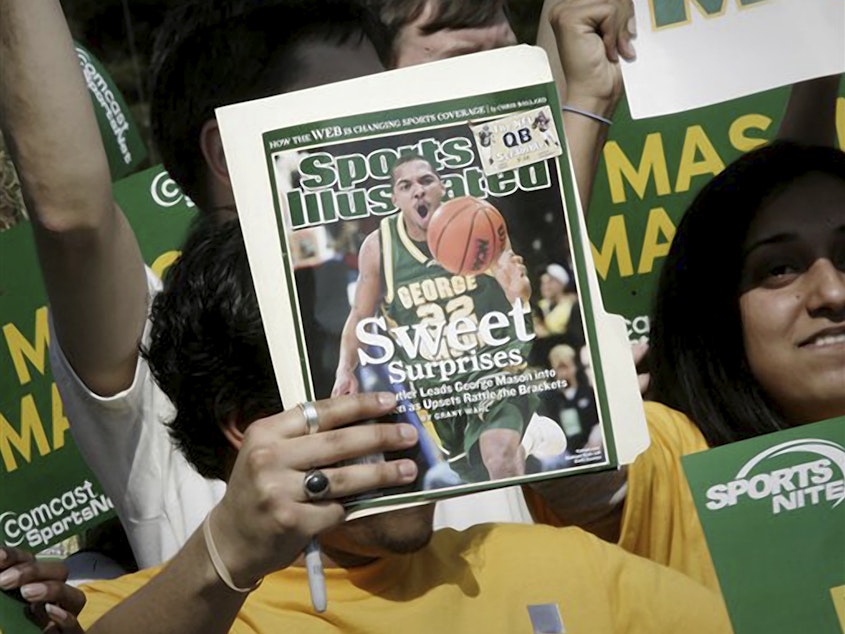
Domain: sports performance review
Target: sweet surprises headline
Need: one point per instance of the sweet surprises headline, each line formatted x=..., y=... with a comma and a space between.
x=439, y=345
x=333, y=188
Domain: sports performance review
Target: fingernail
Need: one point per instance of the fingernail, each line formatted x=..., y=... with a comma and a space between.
x=407, y=469
x=632, y=26
x=3, y=555
x=407, y=432
x=9, y=578
x=56, y=612
x=387, y=398
x=34, y=591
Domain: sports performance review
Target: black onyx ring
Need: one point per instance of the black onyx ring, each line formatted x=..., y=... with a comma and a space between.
x=315, y=484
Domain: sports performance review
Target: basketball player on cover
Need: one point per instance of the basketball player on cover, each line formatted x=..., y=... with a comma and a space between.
x=480, y=446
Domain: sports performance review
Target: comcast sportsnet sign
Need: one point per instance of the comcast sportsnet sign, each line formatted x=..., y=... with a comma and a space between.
x=37, y=527
x=814, y=476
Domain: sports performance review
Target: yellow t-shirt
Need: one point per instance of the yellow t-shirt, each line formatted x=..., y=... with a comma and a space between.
x=479, y=580
x=659, y=518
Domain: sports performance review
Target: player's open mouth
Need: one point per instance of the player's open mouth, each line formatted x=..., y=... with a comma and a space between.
x=422, y=210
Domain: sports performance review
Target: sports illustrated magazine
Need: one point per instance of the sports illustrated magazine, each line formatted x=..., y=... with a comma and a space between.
x=423, y=240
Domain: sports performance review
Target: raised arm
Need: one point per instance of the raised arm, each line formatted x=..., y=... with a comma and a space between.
x=367, y=295
x=810, y=115
x=89, y=258
x=591, y=36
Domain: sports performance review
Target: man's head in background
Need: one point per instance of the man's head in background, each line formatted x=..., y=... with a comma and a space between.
x=427, y=30
x=211, y=53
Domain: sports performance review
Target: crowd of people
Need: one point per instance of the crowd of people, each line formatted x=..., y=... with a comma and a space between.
x=216, y=503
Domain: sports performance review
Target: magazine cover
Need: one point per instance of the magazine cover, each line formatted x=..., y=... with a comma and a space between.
x=411, y=236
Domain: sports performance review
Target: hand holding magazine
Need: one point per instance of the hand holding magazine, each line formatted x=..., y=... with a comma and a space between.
x=405, y=232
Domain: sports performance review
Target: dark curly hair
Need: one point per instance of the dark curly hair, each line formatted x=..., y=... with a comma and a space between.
x=447, y=14
x=698, y=359
x=211, y=53
x=208, y=350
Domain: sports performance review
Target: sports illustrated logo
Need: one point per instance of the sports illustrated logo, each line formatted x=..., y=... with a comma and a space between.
x=810, y=483
x=53, y=518
x=166, y=193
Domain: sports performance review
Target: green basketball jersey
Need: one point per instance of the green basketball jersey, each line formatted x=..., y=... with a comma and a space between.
x=417, y=290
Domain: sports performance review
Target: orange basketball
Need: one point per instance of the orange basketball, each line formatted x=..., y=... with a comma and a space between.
x=466, y=235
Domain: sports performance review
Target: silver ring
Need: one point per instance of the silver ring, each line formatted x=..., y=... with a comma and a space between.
x=315, y=484
x=312, y=419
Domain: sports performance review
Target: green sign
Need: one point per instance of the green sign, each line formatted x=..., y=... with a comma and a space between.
x=773, y=512
x=649, y=172
x=46, y=492
x=121, y=137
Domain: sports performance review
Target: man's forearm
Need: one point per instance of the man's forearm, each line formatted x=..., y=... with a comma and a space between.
x=586, y=137
x=47, y=116
x=187, y=597
x=348, y=359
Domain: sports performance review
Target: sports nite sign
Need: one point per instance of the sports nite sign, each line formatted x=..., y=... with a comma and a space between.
x=818, y=477
x=772, y=513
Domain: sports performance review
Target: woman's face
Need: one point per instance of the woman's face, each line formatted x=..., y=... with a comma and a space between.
x=792, y=301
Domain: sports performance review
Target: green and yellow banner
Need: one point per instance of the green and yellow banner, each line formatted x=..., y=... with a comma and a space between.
x=650, y=170
x=46, y=492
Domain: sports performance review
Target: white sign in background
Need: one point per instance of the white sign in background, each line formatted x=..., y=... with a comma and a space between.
x=694, y=53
